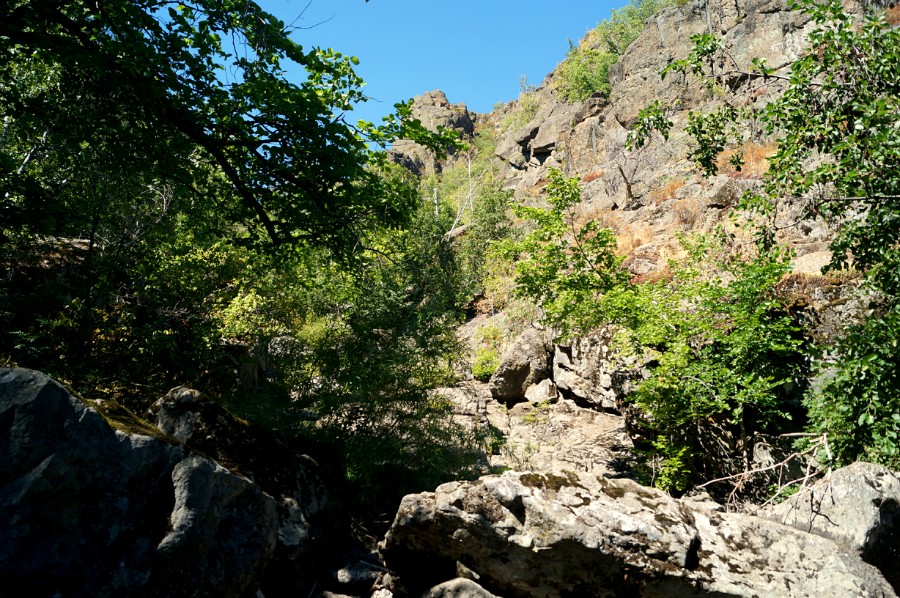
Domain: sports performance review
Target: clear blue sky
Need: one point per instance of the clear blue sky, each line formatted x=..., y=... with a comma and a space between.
x=475, y=51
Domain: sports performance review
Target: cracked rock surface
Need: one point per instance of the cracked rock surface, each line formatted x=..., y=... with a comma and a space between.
x=543, y=535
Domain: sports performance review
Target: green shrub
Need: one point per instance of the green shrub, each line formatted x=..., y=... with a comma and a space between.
x=858, y=406
x=486, y=363
x=524, y=109
x=837, y=160
x=585, y=70
x=563, y=273
x=724, y=351
x=728, y=358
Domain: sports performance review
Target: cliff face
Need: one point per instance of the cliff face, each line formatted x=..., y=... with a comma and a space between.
x=649, y=195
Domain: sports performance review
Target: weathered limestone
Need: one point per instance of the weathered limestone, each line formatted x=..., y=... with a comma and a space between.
x=857, y=507
x=543, y=535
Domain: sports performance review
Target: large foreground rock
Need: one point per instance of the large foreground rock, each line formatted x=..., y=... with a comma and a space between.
x=92, y=509
x=533, y=535
x=293, y=480
x=858, y=507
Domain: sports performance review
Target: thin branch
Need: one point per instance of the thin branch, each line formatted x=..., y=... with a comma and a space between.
x=745, y=474
x=31, y=153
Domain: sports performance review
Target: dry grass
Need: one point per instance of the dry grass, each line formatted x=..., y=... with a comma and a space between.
x=686, y=213
x=626, y=243
x=632, y=237
x=664, y=275
x=756, y=160
x=800, y=286
x=586, y=212
x=665, y=192
x=892, y=14
x=592, y=176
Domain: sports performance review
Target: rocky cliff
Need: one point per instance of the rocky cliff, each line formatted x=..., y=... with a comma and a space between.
x=649, y=195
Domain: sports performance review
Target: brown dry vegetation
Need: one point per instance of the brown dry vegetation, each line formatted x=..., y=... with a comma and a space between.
x=592, y=176
x=756, y=160
x=892, y=14
x=631, y=237
x=666, y=191
x=800, y=286
x=686, y=213
x=586, y=212
x=663, y=275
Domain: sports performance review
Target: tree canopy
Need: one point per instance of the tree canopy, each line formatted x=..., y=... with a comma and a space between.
x=176, y=90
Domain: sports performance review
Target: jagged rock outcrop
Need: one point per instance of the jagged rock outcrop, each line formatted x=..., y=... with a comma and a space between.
x=590, y=371
x=434, y=110
x=292, y=480
x=587, y=369
x=858, y=507
x=543, y=535
x=100, y=505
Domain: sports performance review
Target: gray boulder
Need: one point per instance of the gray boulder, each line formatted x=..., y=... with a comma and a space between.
x=551, y=437
x=592, y=373
x=534, y=535
x=293, y=480
x=543, y=392
x=526, y=362
x=458, y=588
x=95, y=502
x=858, y=507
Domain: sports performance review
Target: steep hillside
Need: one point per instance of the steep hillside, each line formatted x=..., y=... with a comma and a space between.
x=649, y=195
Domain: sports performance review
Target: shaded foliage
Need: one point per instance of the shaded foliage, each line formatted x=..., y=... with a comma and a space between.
x=174, y=210
x=155, y=86
x=725, y=356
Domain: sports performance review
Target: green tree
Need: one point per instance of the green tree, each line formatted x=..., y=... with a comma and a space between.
x=357, y=354
x=563, y=267
x=158, y=153
x=728, y=357
x=155, y=84
x=470, y=188
x=848, y=88
x=724, y=352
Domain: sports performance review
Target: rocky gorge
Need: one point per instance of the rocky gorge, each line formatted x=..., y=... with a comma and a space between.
x=187, y=499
